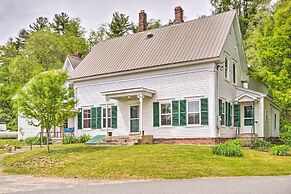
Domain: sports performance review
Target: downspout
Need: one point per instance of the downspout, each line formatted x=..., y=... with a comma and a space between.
x=218, y=67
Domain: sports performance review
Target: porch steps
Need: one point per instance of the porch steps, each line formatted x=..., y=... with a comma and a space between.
x=248, y=138
x=97, y=139
x=57, y=140
x=119, y=141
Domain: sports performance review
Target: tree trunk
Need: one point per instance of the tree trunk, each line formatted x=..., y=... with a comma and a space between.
x=63, y=132
x=47, y=141
x=41, y=136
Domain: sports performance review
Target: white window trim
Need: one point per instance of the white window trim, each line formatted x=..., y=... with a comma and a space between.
x=160, y=111
x=191, y=100
x=228, y=62
x=104, y=107
x=83, y=118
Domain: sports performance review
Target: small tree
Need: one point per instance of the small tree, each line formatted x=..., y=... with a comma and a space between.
x=45, y=99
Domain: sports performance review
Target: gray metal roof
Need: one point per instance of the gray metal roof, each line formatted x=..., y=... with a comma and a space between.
x=74, y=61
x=189, y=41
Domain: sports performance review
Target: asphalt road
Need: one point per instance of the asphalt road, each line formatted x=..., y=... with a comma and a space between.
x=243, y=185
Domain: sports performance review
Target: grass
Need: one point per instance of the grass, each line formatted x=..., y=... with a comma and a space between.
x=143, y=162
x=11, y=142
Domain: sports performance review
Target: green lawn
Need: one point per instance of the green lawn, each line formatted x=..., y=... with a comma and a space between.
x=143, y=162
x=11, y=142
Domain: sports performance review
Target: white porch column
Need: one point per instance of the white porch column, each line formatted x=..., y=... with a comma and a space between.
x=106, y=114
x=141, y=97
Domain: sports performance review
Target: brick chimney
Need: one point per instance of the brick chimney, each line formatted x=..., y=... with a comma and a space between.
x=78, y=55
x=178, y=15
x=142, y=25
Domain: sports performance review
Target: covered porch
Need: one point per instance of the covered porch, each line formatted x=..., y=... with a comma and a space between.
x=132, y=114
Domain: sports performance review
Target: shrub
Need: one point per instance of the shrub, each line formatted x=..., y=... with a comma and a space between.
x=36, y=141
x=285, y=137
x=280, y=150
x=230, y=149
x=70, y=139
x=84, y=138
x=261, y=145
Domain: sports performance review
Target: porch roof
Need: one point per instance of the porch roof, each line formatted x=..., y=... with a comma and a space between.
x=129, y=92
x=247, y=95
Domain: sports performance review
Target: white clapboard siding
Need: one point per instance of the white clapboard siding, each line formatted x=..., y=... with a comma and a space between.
x=178, y=83
x=28, y=130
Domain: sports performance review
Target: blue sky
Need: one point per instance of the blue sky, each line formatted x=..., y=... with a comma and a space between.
x=18, y=14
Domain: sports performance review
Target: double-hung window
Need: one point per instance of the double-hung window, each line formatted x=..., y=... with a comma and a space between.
x=193, y=112
x=166, y=116
x=108, y=117
x=86, y=118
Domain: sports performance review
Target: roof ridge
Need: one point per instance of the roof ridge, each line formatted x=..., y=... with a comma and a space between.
x=166, y=26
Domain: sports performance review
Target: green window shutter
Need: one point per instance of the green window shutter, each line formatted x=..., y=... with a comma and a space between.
x=94, y=118
x=229, y=116
x=80, y=122
x=175, y=112
x=236, y=115
x=183, y=113
x=156, y=114
x=114, y=116
x=98, y=117
x=220, y=107
x=204, y=111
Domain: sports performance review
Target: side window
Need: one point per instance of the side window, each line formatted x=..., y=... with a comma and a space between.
x=275, y=121
x=166, y=116
x=86, y=118
x=234, y=72
x=193, y=112
x=226, y=68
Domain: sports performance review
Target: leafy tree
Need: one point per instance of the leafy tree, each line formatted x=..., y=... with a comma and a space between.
x=153, y=24
x=21, y=39
x=119, y=25
x=45, y=49
x=97, y=36
x=246, y=9
x=45, y=100
x=269, y=50
x=39, y=24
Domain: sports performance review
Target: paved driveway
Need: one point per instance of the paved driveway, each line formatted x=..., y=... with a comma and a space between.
x=243, y=185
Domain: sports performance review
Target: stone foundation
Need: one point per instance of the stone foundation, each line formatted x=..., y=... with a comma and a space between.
x=193, y=141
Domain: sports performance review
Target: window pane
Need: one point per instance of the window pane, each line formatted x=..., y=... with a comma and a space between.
x=109, y=122
x=234, y=73
x=165, y=108
x=165, y=119
x=134, y=112
x=191, y=118
x=104, y=112
x=248, y=122
x=86, y=113
x=104, y=123
x=87, y=123
x=193, y=106
x=109, y=112
x=197, y=118
x=248, y=111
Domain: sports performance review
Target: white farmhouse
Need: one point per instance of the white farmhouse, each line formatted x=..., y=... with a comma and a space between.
x=183, y=83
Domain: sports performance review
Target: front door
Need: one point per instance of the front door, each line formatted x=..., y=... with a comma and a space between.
x=134, y=119
x=248, y=119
